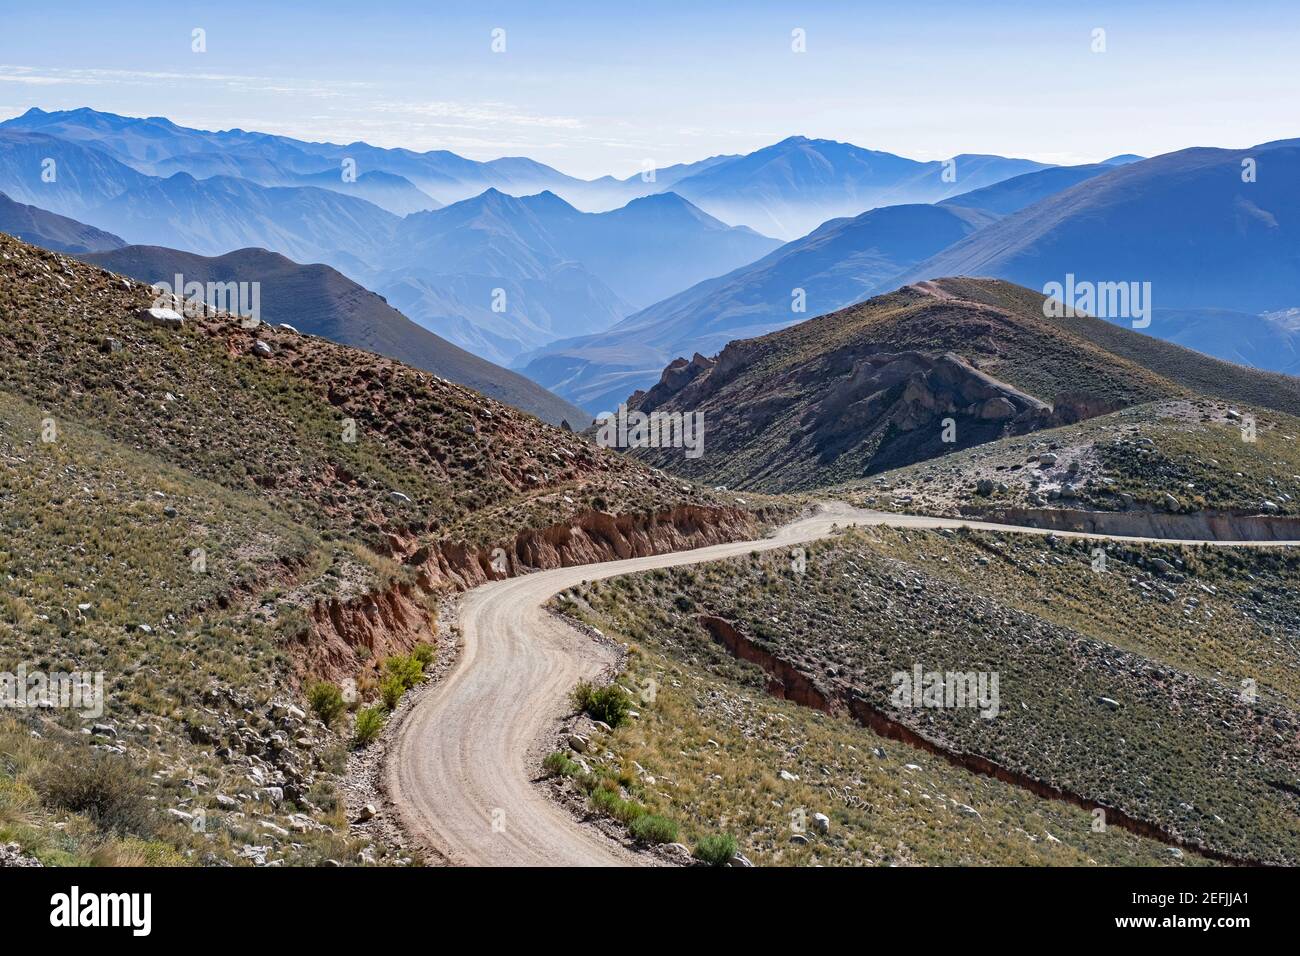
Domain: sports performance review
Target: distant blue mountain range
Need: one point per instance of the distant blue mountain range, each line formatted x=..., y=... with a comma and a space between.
x=1219, y=249
x=592, y=286
x=500, y=257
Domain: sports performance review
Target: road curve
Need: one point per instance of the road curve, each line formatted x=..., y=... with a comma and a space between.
x=460, y=767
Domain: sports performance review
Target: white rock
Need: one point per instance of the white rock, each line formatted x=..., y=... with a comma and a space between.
x=164, y=318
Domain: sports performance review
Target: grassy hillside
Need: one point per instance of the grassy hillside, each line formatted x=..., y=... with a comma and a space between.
x=1180, y=456
x=1194, y=371
x=320, y=301
x=202, y=398
x=1168, y=697
x=708, y=753
x=184, y=511
x=117, y=563
x=810, y=405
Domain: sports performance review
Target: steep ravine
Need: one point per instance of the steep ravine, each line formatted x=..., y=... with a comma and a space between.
x=787, y=682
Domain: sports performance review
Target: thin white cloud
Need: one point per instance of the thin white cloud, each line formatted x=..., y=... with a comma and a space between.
x=32, y=76
x=473, y=115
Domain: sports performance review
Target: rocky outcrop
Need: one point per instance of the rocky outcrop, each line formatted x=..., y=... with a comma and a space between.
x=922, y=388
x=1069, y=408
x=11, y=854
x=343, y=636
x=676, y=376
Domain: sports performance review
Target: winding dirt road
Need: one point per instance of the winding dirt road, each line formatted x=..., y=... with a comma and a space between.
x=459, y=771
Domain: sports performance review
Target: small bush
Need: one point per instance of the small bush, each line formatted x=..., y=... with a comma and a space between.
x=611, y=804
x=391, y=690
x=652, y=828
x=408, y=670
x=558, y=764
x=326, y=701
x=426, y=654
x=370, y=721
x=717, y=849
x=609, y=704
x=103, y=787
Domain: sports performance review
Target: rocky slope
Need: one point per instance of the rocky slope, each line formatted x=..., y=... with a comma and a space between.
x=1180, y=468
x=921, y=372
x=1158, y=690
x=212, y=517
x=318, y=300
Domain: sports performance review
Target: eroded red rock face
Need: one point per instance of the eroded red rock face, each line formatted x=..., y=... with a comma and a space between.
x=344, y=637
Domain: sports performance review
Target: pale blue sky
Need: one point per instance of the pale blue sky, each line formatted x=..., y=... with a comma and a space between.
x=594, y=88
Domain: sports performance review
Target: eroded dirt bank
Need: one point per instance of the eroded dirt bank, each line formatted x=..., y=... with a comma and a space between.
x=345, y=637
x=788, y=683
x=1198, y=526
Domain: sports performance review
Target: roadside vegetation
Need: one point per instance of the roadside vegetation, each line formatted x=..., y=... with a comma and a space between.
x=212, y=527
x=1163, y=687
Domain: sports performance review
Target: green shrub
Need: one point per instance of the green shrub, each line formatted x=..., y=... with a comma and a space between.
x=558, y=764
x=102, y=787
x=391, y=690
x=609, y=704
x=717, y=849
x=426, y=654
x=652, y=828
x=407, y=670
x=326, y=701
x=370, y=721
x=611, y=804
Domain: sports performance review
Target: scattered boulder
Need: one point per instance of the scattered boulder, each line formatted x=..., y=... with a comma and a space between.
x=163, y=318
x=997, y=408
x=11, y=854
